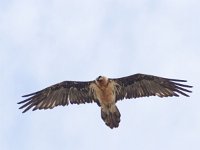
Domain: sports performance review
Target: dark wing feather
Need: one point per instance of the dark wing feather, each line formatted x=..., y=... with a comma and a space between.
x=59, y=94
x=141, y=85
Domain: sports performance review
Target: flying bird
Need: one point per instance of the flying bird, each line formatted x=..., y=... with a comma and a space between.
x=106, y=92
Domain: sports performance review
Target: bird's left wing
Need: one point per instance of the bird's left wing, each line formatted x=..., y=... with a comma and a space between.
x=59, y=94
x=142, y=85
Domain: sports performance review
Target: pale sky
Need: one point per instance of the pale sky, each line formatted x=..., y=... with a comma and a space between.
x=43, y=42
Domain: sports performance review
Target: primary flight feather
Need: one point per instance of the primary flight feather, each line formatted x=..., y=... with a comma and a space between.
x=105, y=92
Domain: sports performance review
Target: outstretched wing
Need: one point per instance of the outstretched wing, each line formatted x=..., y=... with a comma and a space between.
x=141, y=85
x=59, y=94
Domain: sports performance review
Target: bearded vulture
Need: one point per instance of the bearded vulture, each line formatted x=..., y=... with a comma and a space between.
x=105, y=92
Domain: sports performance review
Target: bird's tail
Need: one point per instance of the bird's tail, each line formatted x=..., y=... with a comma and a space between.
x=111, y=116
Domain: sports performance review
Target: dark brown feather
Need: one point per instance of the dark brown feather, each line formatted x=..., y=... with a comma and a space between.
x=59, y=94
x=142, y=85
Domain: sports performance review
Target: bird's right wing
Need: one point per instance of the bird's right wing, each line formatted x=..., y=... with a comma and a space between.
x=141, y=85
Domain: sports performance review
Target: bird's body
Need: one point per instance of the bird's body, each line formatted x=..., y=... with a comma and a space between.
x=105, y=92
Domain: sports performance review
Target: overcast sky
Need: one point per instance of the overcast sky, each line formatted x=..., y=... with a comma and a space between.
x=43, y=42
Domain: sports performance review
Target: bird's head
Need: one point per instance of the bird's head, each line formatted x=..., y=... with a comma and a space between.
x=102, y=79
x=99, y=78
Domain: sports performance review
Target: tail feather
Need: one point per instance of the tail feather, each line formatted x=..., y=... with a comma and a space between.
x=111, y=117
